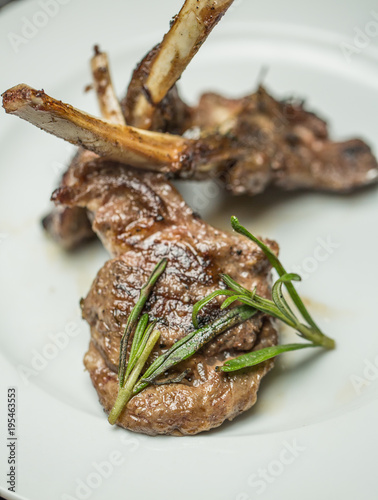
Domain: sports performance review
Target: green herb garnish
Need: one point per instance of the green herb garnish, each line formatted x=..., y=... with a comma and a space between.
x=144, y=340
x=125, y=393
x=255, y=357
x=145, y=337
x=193, y=342
x=277, y=307
x=133, y=318
x=276, y=264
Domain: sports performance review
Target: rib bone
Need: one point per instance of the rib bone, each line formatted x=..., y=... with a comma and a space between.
x=163, y=66
x=121, y=143
x=106, y=96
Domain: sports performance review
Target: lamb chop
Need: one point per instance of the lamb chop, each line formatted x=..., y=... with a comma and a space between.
x=141, y=218
x=297, y=156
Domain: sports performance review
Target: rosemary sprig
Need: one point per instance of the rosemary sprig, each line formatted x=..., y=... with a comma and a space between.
x=277, y=307
x=276, y=264
x=145, y=337
x=193, y=342
x=126, y=392
x=133, y=318
x=144, y=340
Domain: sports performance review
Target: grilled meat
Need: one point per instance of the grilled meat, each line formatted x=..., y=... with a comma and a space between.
x=279, y=143
x=297, y=155
x=248, y=144
x=141, y=218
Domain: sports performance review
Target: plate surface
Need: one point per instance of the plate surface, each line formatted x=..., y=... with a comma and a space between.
x=313, y=430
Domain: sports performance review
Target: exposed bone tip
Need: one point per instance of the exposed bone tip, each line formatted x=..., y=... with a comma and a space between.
x=60, y=194
x=19, y=95
x=97, y=50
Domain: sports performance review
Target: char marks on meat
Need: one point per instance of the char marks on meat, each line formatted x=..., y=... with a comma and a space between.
x=141, y=218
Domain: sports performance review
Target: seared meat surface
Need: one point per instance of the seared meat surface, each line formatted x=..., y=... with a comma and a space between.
x=199, y=404
x=141, y=218
x=277, y=143
x=250, y=144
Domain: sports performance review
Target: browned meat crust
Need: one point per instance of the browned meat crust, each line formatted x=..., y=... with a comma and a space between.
x=141, y=218
x=280, y=143
x=194, y=406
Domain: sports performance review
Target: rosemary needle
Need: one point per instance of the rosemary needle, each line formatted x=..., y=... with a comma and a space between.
x=193, y=342
x=134, y=315
x=255, y=357
x=276, y=264
x=144, y=340
x=277, y=307
x=126, y=392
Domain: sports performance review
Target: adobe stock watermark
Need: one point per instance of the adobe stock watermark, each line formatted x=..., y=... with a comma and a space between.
x=362, y=38
x=206, y=193
x=323, y=250
x=41, y=358
x=368, y=375
x=261, y=479
x=101, y=471
x=31, y=26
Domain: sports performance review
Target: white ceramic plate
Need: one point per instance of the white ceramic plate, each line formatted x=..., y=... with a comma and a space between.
x=313, y=432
